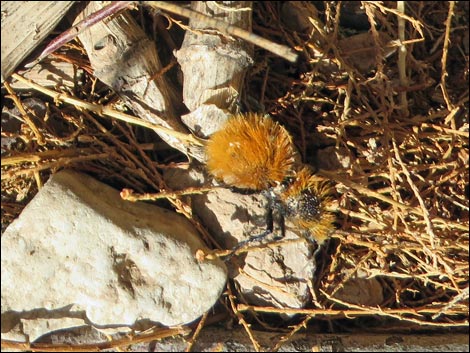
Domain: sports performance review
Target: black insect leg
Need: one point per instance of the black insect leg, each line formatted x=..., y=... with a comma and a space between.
x=268, y=231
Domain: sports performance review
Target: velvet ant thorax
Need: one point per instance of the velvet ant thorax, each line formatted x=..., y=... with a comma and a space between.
x=251, y=152
x=305, y=202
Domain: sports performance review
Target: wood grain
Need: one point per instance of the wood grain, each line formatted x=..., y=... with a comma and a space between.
x=25, y=24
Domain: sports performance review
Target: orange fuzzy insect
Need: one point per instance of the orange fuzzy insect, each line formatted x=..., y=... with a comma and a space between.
x=251, y=152
x=304, y=203
x=255, y=152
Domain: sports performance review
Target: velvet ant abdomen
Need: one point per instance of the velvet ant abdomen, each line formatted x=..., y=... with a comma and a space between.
x=250, y=152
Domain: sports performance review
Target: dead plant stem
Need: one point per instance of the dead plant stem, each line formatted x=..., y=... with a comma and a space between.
x=224, y=27
x=402, y=59
x=445, y=51
x=107, y=111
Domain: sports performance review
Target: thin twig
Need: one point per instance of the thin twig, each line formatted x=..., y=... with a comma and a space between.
x=74, y=31
x=425, y=212
x=196, y=333
x=25, y=115
x=284, y=339
x=129, y=195
x=462, y=296
x=368, y=192
x=242, y=320
x=445, y=51
x=110, y=112
x=247, y=248
x=402, y=59
x=61, y=162
x=416, y=24
x=95, y=347
x=224, y=27
x=49, y=154
x=360, y=312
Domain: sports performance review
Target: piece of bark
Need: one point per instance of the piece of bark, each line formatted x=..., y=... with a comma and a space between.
x=125, y=59
x=214, y=65
x=49, y=73
x=24, y=26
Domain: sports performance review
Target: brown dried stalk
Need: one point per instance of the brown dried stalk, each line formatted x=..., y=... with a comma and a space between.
x=242, y=321
x=222, y=26
x=196, y=333
x=74, y=31
x=110, y=112
x=445, y=51
x=362, y=311
x=158, y=334
x=129, y=195
x=26, y=116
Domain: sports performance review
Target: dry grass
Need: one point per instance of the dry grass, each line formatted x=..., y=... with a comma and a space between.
x=403, y=194
x=402, y=189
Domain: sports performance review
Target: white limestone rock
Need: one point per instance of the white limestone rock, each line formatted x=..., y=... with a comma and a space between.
x=78, y=251
x=276, y=276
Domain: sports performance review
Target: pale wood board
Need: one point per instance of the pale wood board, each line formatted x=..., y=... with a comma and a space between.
x=25, y=24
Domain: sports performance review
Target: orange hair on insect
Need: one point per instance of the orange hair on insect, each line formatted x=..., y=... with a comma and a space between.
x=250, y=152
x=305, y=201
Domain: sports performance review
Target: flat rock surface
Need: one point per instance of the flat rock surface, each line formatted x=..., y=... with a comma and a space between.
x=80, y=254
x=273, y=275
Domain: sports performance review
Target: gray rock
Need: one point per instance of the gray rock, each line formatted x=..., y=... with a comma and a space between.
x=80, y=253
x=361, y=291
x=274, y=276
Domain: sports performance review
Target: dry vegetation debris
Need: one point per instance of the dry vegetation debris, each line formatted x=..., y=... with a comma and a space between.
x=398, y=124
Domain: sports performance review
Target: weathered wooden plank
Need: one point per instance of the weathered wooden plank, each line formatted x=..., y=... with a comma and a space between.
x=25, y=24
